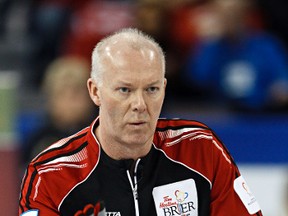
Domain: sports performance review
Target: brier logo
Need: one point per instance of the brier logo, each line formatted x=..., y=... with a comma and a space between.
x=176, y=199
x=180, y=196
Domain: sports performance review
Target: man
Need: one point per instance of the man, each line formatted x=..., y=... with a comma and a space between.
x=128, y=159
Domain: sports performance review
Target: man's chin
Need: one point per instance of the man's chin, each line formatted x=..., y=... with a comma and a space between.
x=138, y=140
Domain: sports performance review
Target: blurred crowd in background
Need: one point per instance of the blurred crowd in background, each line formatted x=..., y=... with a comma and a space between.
x=226, y=54
x=222, y=56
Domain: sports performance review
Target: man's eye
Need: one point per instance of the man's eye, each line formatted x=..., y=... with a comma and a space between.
x=152, y=89
x=124, y=90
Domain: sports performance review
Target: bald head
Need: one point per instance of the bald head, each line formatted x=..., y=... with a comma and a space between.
x=114, y=50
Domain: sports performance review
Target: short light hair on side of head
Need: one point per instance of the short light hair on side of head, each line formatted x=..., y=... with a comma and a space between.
x=132, y=36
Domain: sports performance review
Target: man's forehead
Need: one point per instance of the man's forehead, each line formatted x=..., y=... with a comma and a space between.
x=134, y=71
x=122, y=55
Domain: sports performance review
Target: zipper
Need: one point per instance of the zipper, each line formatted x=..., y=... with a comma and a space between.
x=134, y=186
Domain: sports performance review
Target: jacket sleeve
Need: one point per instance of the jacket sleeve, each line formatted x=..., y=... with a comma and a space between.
x=230, y=194
x=34, y=195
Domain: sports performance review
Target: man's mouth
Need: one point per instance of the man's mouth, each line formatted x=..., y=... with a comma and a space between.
x=137, y=123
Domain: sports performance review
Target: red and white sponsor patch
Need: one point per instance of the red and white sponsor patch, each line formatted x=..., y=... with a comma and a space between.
x=246, y=196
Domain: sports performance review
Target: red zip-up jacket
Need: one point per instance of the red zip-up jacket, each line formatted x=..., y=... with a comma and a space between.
x=188, y=171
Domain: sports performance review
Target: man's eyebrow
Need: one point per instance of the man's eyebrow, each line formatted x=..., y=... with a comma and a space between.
x=154, y=83
x=124, y=83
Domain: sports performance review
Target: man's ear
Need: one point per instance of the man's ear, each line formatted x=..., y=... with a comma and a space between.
x=165, y=83
x=93, y=91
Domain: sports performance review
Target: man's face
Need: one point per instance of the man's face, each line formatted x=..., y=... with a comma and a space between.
x=131, y=96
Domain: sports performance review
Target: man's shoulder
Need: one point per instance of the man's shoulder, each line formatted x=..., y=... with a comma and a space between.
x=59, y=168
x=177, y=123
x=64, y=149
x=170, y=132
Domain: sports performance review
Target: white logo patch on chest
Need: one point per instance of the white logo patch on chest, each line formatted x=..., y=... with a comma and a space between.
x=178, y=198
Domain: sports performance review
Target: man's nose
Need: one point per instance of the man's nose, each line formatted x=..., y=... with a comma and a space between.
x=138, y=102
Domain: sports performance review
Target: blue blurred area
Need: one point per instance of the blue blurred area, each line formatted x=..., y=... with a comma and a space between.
x=251, y=138
x=255, y=138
